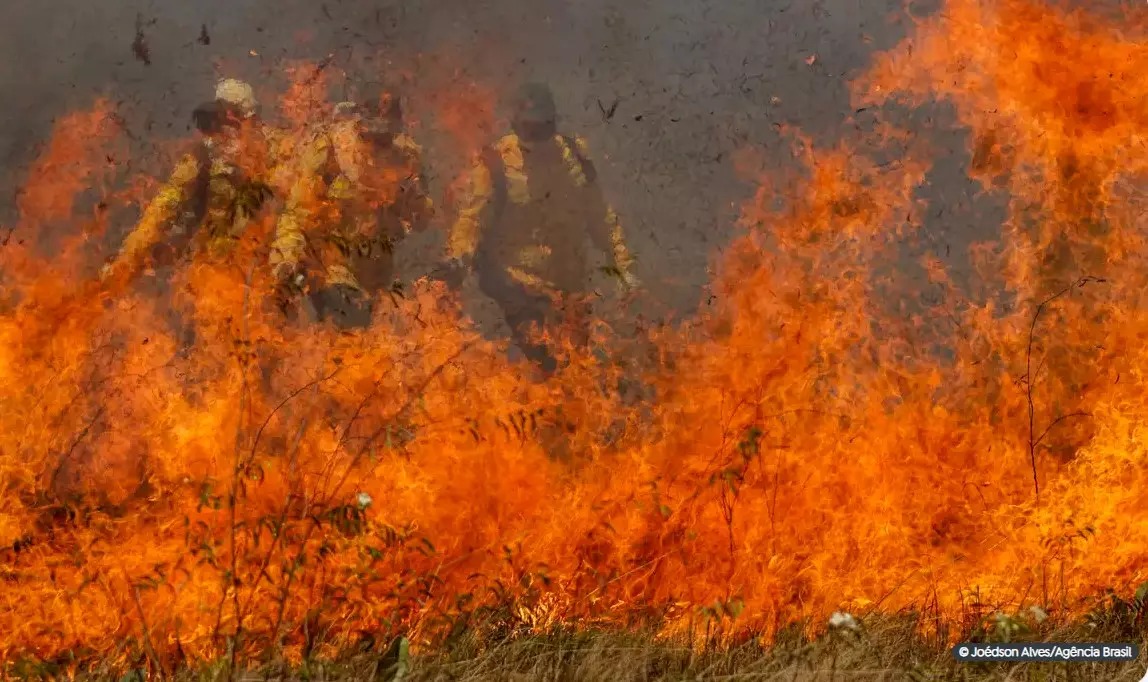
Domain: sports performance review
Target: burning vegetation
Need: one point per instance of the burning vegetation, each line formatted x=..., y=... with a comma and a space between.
x=803, y=446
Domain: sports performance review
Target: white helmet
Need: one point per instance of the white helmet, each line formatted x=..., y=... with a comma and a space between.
x=238, y=93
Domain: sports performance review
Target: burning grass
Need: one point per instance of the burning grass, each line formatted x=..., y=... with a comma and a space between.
x=880, y=649
x=273, y=492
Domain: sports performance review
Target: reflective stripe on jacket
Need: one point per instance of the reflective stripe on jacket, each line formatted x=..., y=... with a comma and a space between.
x=348, y=206
x=536, y=240
x=205, y=186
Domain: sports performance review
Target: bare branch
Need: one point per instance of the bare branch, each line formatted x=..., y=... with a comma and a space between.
x=1030, y=380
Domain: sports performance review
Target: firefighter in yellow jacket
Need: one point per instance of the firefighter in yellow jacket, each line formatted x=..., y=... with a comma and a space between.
x=359, y=191
x=213, y=191
x=531, y=201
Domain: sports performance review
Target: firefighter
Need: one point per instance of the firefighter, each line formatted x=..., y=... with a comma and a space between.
x=213, y=191
x=530, y=203
x=359, y=192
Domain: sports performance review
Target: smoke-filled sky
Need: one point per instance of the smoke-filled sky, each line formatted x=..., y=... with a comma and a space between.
x=694, y=81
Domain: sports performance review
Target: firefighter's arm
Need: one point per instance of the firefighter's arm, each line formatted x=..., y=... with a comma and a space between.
x=607, y=232
x=157, y=217
x=289, y=241
x=288, y=245
x=612, y=240
x=607, y=235
x=462, y=240
x=278, y=158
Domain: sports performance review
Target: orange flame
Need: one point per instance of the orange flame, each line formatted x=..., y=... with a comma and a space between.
x=274, y=487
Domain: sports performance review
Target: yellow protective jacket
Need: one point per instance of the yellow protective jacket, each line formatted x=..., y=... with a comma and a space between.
x=207, y=201
x=349, y=204
x=525, y=213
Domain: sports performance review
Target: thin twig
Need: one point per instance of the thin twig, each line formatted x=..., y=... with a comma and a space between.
x=283, y=403
x=1033, y=440
x=146, y=629
x=1057, y=421
x=233, y=501
x=281, y=525
x=72, y=448
x=415, y=395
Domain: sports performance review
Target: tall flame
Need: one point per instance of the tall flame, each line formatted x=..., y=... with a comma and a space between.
x=803, y=449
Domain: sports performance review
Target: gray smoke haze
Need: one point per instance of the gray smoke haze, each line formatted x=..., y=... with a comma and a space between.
x=693, y=81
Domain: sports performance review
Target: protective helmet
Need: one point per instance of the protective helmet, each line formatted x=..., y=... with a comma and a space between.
x=534, y=104
x=237, y=93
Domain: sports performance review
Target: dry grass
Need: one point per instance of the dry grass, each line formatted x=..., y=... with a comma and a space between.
x=886, y=650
